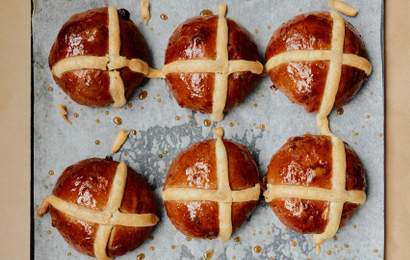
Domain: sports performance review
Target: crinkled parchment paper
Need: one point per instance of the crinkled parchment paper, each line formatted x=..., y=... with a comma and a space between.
x=263, y=122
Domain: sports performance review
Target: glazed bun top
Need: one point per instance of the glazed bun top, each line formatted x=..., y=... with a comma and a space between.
x=87, y=34
x=88, y=184
x=307, y=162
x=211, y=188
x=196, y=167
x=102, y=207
x=99, y=57
x=199, y=65
x=304, y=80
x=196, y=39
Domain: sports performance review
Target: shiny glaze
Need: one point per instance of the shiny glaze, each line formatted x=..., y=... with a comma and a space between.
x=88, y=184
x=303, y=82
x=195, y=168
x=307, y=161
x=196, y=39
x=86, y=33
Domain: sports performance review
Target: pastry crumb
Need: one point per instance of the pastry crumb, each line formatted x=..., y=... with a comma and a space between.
x=207, y=122
x=62, y=109
x=261, y=126
x=119, y=141
x=142, y=95
x=368, y=116
x=145, y=11
x=206, y=12
x=208, y=254
x=117, y=120
x=342, y=7
x=257, y=249
x=163, y=17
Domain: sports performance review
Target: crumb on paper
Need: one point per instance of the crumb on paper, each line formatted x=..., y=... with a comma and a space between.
x=145, y=12
x=62, y=109
x=119, y=140
x=343, y=7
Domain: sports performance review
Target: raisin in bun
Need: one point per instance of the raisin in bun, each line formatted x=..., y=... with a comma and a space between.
x=307, y=163
x=211, y=188
x=99, y=57
x=196, y=40
x=102, y=208
x=303, y=79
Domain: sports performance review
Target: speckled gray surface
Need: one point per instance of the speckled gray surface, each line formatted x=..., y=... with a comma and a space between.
x=160, y=137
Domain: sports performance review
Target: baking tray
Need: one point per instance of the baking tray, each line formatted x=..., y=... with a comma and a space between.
x=263, y=122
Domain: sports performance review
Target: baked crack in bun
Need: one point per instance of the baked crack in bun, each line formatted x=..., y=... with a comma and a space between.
x=102, y=208
x=315, y=185
x=313, y=51
x=99, y=57
x=211, y=188
x=211, y=64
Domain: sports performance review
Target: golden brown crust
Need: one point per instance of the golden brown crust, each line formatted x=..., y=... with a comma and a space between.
x=195, y=218
x=88, y=184
x=196, y=39
x=84, y=34
x=195, y=168
x=307, y=161
x=303, y=82
x=79, y=234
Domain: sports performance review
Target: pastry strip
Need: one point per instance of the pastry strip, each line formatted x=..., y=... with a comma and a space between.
x=313, y=193
x=102, y=236
x=212, y=195
x=220, y=91
x=335, y=66
x=318, y=55
x=224, y=196
x=106, y=218
x=95, y=216
x=338, y=185
x=211, y=66
x=245, y=65
x=114, y=38
x=116, y=88
x=79, y=62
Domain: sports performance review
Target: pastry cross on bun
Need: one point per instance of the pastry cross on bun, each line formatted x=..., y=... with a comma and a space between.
x=314, y=184
x=211, y=188
x=102, y=208
x=317, y=60
x=99, y=57
x=211, y=64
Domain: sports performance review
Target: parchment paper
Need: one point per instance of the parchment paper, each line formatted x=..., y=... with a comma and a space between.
x=161, y=137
